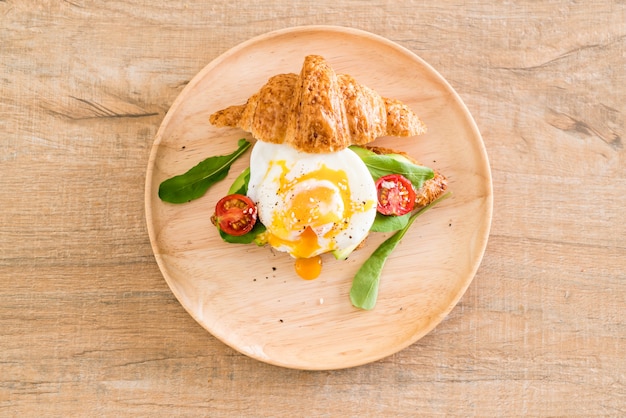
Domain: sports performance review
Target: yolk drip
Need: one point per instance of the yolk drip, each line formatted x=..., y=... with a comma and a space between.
x=309, y=268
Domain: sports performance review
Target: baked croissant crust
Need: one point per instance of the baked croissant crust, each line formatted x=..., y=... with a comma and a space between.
x=319, y=111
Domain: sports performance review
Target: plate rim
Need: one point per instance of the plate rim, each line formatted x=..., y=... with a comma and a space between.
x=198, y=77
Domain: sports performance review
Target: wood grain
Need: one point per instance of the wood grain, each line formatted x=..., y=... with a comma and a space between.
x=250, y=297
x=89, y=326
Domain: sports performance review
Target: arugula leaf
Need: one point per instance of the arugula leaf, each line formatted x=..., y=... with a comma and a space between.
x=389, y=223
x=195, y=182
x=381, y=165
x=364, y=290
x=240, y=185
x=254, y=235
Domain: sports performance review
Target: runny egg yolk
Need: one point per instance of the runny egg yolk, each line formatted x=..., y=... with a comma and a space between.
x=309, y=268
x=316, y=207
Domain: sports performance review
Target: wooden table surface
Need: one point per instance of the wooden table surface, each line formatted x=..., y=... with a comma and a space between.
x=89, y=327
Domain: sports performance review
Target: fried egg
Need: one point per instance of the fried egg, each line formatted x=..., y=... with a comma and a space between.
x=311, y=203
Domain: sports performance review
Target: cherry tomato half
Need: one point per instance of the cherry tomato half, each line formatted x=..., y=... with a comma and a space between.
x=235, y=214
x=395, y=195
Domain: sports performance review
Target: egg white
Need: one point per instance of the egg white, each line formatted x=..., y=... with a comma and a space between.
x=336, y=189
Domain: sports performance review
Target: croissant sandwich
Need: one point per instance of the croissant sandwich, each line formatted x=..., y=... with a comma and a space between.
x=319, y=111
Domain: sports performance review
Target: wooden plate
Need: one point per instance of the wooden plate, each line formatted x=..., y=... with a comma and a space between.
x=250, y=297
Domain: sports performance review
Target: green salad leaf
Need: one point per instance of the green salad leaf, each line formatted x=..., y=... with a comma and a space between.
x=254, y=235
x=364, y=290
x=382, y=165
x=389, y=223
x=195, y=182
x=240, y=185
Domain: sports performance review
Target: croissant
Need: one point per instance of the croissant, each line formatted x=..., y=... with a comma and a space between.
x=319, y=111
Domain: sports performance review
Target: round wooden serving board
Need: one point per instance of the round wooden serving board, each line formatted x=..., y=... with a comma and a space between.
x=250, y=297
